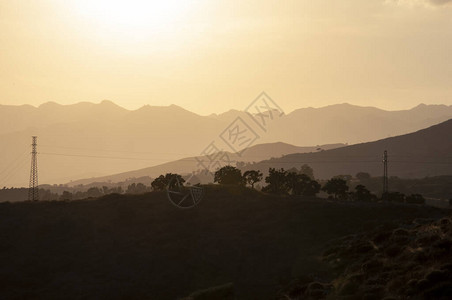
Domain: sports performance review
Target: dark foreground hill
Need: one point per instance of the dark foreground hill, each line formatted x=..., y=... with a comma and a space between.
x=137, y=247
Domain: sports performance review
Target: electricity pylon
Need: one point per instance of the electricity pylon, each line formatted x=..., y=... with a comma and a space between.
x=33, y=192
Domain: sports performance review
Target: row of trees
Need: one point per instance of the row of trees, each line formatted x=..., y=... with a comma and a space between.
x=299, y=183
x=170, y=179
x=94, y=192
x=283, y=183
x=278, y=181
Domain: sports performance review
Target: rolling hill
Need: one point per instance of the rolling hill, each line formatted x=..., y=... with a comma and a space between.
x=427, y=152
x=190, y=164
x=416, y=155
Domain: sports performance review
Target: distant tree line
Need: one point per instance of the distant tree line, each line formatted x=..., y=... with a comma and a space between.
x=302, y=183
x=281, y=182
x=296, y=182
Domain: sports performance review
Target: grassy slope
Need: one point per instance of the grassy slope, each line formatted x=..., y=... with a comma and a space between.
x=142, y=246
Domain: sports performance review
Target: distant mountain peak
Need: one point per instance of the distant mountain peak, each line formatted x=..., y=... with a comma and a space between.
x=49, y=104
x=147, y=107
x=171, y=109
x=424, y=106
x=230, y=112
x=107, y=102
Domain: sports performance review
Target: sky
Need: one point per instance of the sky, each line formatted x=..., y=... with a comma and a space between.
x=212, y=56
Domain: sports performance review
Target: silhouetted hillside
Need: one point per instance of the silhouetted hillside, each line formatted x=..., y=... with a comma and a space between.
x=352, y=124
x=423, y=153
x=142, y=247
x=18, y=118
x=190, y=164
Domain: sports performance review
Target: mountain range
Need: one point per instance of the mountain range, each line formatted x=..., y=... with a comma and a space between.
x=425, y=153
x=420, y=154
x=88, y=140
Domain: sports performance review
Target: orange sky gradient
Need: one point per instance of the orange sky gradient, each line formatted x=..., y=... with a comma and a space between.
x=211, y=56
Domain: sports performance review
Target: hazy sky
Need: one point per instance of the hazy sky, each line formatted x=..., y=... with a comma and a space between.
x=210, y=56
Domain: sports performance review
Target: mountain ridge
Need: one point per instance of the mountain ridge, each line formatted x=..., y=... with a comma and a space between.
x=423, y=153
x=83, y=138
x=331, y=160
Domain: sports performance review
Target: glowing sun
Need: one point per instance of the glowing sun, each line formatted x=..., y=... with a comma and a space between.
x=137, y=17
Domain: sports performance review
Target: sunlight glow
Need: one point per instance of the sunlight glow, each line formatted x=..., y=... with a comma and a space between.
x=134, y=17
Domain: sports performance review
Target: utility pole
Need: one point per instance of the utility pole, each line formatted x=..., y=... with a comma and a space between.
x=385, y=173
x=33, y=192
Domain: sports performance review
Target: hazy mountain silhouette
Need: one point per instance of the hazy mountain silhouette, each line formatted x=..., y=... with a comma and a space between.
x=101, y=139
x=17, y=118
x=351, y=124
x=190, y=164
x=427, y=152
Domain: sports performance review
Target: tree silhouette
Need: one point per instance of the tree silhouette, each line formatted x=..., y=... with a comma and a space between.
x=66, y=196
x=159, y=184
x=310, y=186
x=362, y=193
x=251, y=177
x=94, y=192
x=301, y=184
x=169, y=180
x=138, y=188
x=277, y=182
x=337, y=187
x=172, y=179
x=293, y=183
x=105, y=190
x=228, y=175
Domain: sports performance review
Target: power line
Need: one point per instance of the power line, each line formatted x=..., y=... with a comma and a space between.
x=229, y=153
x=188, y=154
x=118, y=151
x=11, y=165
x=261, y=162
x=9, y=175
x=97, y=156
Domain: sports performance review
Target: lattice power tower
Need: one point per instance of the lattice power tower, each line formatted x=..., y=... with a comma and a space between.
x=33, y=192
